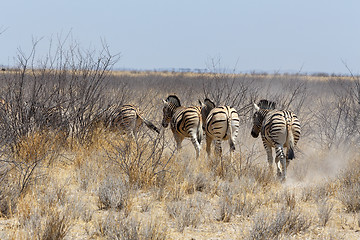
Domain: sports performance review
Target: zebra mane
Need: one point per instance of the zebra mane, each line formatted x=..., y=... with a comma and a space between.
x=210, y=104
x=265, y=104
x=173, y=99
x=206, y=107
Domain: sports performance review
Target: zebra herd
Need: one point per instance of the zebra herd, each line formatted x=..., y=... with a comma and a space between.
x=279, y=128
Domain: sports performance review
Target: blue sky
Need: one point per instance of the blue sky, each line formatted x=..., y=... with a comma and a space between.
x=261, y=35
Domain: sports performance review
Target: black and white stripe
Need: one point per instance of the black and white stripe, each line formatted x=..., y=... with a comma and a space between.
x=185, y=122
x=279, y=129
x=127, y=120
x=220, y=124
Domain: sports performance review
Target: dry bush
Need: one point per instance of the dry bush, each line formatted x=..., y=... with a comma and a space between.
x=349, y=193
x=289, y=199
x=57, y=226
x=235, y=198
x=48, y=217
x=33, y=154
x=23, y=167
x=185, y=212
x=62, y=92
x=221, y=166
x=141, y=159
x=338, y=113
x=89, y=167
x=113, y=193
x=250, y=166
x=182, y=181
x=9, y=194
x=117, y=226
x=231, y=90
x=284, y=224
x=225, y=204
x=324, y=211
x=245, y=204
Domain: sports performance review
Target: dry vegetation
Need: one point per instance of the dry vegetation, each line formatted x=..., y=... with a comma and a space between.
x=63, y=176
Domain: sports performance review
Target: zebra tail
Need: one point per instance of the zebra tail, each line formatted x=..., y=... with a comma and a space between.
x=199, y=134
x=151, y=126
x=290, y=142
x=229, y=132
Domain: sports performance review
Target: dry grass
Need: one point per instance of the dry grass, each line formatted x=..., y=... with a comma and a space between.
x=114, y=187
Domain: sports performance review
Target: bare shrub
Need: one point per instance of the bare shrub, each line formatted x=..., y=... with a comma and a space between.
x=57, y=226
x=62, y=92
x=117, y=226
x=46, y=217
x=244, y=204
x=22, y=168
x=231, y=90
x=226, y=207
x=186, y=213
x=113, y=193
x=226, y=210
x=262, y=176
x=194, y=181
x=140, y=160
x=153, y=229
x=350, y=197
x=9, y=194
x=285, y=223
x=324, y=211
x=246, y=167
x=87, y=171
x=349, y=194
x=294, y=97
x=338, y=114
x=33, y=154
x=290, y=200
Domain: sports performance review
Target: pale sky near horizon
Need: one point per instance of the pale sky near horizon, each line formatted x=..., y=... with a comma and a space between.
x=259, y=35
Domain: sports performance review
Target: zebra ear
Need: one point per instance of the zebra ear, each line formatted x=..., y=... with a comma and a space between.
x=164, y=101
x=256, y=107
x=202, y=105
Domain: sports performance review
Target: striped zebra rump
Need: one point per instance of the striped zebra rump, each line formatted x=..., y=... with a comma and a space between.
x=279, y=129
x=185, y=122
x=128, y=120
x=282, y=127
x=222, y=123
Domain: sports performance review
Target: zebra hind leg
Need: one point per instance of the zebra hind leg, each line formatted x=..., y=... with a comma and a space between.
x=218, y=149
x=194, y=141
x=208, y=145
x=178, y=140
x=281, y=162
x=269, y=157
x=196, y=146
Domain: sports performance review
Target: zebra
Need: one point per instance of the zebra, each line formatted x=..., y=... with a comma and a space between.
x=279, y=129
x=127, y=120
x=185, y=122
x=220, y=123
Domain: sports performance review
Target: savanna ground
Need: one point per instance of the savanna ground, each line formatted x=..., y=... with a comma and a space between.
x=65, y=176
